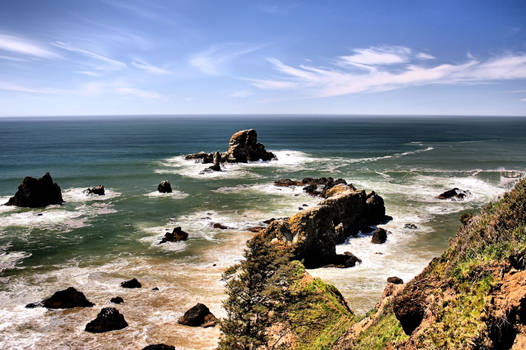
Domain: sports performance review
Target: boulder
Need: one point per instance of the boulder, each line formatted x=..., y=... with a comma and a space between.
x=395, y=280
x=347, y=259
x=98, y=190
x=379, y=236
x=201, y=156
x=108, y=319
x=410, y=226
x=219, y=226
x=159, y=347
x=198, y=316
x=455, y=193
x=36, y=193
x=65, y=299
x=175, y=236
x=117, y=300
x=243, y=147
x=164, y=187
x=133, y=283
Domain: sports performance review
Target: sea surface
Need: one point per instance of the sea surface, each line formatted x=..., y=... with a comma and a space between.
x=93, y=243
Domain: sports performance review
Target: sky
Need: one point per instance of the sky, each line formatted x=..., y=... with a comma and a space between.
x=122, y=57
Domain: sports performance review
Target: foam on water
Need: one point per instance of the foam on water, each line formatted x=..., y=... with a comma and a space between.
x=9, y=259
x=175, y=194
x=78, y=194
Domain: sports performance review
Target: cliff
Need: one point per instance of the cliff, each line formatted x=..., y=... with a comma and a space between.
x=471, y=297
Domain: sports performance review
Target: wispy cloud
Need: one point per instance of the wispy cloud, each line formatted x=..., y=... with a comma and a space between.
x=13, y=59
x=424, y=56
x=140, y=64
x=88, y=73
x=109, y=63
x=215, y=60
x=137, y=92
x=388, y=70
x=241, y=94
x=23, y=46
x=6, y=86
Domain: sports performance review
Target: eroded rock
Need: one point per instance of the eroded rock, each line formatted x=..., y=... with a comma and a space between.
x=379, y=236
x=455, y=193
x=36, y=193
x=133, y=283
x=175, y=236
x=98, y=190
x=108, y=319
x=66, y=299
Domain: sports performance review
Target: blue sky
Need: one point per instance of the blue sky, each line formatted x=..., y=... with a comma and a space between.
x=105, y=57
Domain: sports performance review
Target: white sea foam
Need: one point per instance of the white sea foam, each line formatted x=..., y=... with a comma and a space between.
x=9, y=260
x=5, y=208
x=175, y=194
x=78, y=194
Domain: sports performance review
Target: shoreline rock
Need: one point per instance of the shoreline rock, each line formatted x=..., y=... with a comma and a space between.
x=198, y=316
x=319, y=187
x=37, y=193
x=133, y=283
x=108, y=319
x=64, y=299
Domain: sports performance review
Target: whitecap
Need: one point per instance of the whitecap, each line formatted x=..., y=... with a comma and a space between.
x=78, y=194
x=175, y=194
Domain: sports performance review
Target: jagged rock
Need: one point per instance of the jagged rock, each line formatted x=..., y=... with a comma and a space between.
x=455, y=193
x=395, y=280
x=108, y=319
x=347, y=259
x=117, y=300
x=379, y=236
x=410, y=226
x=321, y=187
x=175, y=236
x=256, y=229
x=133, y=283
x=164, y=187
x=198, y=315
x=375, y=208
x=244, y=146
x=201, y=156
x=98, y=190
x=313, y=233
x=35, y=193
x=219, y=226
x=287, y=183
x=64, y=299
x=159, y=347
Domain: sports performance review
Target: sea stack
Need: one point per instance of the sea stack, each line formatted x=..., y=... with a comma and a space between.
x=164, y=187
x=37, y=193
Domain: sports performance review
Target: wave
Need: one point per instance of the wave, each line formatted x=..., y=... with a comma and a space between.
x=175, y=194
x=78, y=194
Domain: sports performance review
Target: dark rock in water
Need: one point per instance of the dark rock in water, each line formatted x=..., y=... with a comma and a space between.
x=395, y=280
x=108, y=319
x=155, y=289
x=133, y=283
x=33, y=305
x=35, y=193
x=455, y=193
x=410, y=226
x=375, y=208
x=175, y=236
x=159, y=347
x=164, y=187
x=322, y=187
x=199, y=315
x=201, y=156
x=117, y=300
x=367, y=229
x=379, y=236
x=287, y=183
x=347, y=259
x=66, y=299
x=220, y=226
x=256, y=229
x=98, y=190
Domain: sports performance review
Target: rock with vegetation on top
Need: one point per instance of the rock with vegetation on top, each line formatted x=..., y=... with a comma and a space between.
x=198, y=316
x=36, y=193
x=108, y=319
x=164, y=187
x=64, y=299
x=98, y=190
x=175, y=236
x=133, y=283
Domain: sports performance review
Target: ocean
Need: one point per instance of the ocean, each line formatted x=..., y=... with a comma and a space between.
x=94, y=243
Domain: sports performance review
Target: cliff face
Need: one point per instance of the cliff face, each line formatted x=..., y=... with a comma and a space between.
x=471, y=297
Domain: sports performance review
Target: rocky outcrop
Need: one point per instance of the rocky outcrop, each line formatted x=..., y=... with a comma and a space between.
x=242, y=148
x=175, y=236
x=313, y=233
x=133, y=283
x=455, y=193
x=108, y=319
x=198, y=316
x=164, y=187
x=36, y=193
x=321, y=187
x=98, y=190
x=395, y=280
x=379, y=236
x=64, y=299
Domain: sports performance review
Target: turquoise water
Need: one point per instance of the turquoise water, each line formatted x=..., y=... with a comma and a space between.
x=94, y=243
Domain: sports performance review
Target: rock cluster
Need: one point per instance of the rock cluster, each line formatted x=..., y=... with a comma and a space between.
x=164, y=187
x=36, y=193
x=198, y=316
x=242, y=148
x=108, y=319
x=455, y=193
x=175, y=236
x=322, y=187
x=313, y=233
x=98, y=190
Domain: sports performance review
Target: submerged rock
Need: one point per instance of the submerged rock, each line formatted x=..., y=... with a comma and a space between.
x=164, y=187
x=36, y=193
x=66, y=299
x=98, y=190
x=133, y=283
x=455, y=193
x=159, y=347
x=175, y=236
x=108, y=319
x=198, y=316
x=379, y=236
